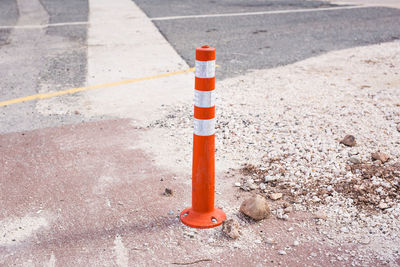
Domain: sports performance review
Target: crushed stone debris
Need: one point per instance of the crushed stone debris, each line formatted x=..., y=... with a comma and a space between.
x=282, y=130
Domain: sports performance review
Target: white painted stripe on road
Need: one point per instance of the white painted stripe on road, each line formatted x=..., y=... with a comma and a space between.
x=204, y=127
x=204, y=99
x=42, y=26
x=205, y=69
x=261, y=13
x=194, y=16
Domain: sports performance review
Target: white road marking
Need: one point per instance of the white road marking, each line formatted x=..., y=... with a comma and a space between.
x=78, y=23
x=42, y=26
x=121, y=252
x=259, y=13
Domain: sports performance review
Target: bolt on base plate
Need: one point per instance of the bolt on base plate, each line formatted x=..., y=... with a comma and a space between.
x=195, y=219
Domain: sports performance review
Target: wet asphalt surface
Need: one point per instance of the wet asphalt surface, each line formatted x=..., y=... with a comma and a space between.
x=264, y=41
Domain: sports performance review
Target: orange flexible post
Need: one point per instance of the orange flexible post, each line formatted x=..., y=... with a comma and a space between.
x=203, y=214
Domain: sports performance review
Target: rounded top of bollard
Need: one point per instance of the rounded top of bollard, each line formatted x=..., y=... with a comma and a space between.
x=205, y=53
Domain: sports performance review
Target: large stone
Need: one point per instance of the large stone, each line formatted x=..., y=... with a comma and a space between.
x=231, y=228
x=380, y=156
x=256, y=207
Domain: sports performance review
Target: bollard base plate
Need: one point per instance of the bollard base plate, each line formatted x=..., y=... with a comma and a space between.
x=202, y=220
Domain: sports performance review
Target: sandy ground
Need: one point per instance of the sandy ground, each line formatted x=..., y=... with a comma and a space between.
x=298, y=114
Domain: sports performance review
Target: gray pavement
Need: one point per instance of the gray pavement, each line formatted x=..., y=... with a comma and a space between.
x=8, y=17
x=66, y=11
x=159, y=8
x=40, y=60
x=270, y=40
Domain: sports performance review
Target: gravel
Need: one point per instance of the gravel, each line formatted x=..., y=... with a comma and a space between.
x=282, y=128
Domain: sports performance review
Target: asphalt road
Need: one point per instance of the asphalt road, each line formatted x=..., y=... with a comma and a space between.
x=159, y=8
x=8, y=17
x=264, y=41
x=41, y=59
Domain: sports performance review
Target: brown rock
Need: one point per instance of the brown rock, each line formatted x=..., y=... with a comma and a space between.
x=348, y=140
x=398, y=127
x=168, y=192
x=256, y=207
x=231, y=228
x=380, y=156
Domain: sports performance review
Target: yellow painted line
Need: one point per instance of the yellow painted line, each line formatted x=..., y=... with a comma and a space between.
x=81, y=89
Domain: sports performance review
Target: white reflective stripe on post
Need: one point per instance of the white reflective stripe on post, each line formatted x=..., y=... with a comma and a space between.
x=204, y=99
x=204, y=127
x=205, y=69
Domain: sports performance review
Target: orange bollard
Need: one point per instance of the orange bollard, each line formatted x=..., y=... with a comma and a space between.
x=202, y=214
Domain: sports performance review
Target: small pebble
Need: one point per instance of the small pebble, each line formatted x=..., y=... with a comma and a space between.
x=284, y=217
x=282, y=252
x=365, y=241
x=262, y=186
x=275, y=196
x=168, y=192
x=320, y=215
x=383, y=205
x=270, y=241
x=344, y=230
x=270, y=179
x=231, y=228
x=252, y=186
x=348, y=140
x=355, y=160
x=288, y=209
